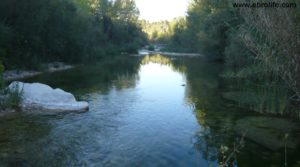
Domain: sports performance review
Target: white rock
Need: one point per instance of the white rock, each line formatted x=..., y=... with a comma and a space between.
x=40, y=97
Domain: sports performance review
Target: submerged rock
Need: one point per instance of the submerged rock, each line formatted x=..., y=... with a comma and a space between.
x=270, y=132
x=37, y=97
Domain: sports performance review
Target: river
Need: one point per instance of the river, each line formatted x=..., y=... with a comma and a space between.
x=145, y=111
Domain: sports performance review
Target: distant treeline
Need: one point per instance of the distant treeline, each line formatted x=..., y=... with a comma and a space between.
x=40, y=31
x=167, y=32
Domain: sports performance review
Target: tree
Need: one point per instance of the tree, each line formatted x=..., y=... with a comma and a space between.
x=68, y=30
x=5, y=39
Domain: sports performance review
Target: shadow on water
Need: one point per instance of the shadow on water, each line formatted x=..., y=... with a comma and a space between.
x=119, y=73
x=145, y=111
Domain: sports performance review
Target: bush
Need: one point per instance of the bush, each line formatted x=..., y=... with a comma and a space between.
x=151, y=48
x=10, y=98
x=131, y=48
x=237, y=55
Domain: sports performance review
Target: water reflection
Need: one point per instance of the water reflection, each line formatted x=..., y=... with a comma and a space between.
x=120, y=73
x=144, y=111
x=220, y=119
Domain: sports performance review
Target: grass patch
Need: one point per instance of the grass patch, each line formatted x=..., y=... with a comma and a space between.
x=10, y=98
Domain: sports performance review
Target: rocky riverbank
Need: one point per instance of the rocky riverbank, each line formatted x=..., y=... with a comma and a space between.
x=144, y=52
x=21, y=74
x=176, y=54
x=158, y=49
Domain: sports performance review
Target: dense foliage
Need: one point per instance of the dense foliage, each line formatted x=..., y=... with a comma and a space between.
x=34, y=32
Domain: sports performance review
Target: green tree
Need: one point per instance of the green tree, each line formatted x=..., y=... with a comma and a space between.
x=68, y=30
x=5, y=40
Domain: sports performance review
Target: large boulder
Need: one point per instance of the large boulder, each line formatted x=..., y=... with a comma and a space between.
x=37, y=97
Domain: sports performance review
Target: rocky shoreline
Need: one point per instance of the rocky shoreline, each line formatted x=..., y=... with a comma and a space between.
x=176, y=54
x=145, y=52
x=21, y=74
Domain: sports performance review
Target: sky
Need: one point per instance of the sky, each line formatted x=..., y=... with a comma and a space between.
x=156, y=10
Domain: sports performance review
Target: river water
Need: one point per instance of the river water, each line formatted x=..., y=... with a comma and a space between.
x=144, y=111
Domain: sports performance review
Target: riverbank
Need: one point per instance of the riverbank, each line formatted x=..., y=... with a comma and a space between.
x=145, y=52
x=176, y=54
x=21, y=74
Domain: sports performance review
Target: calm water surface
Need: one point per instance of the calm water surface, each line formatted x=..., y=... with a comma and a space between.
x=149, y=111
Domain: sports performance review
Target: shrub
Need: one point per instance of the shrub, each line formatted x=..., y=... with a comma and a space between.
x=10, y=98
x=151, y=48
x=273, y=36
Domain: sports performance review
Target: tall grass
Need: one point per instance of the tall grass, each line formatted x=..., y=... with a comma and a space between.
x=10, y=98
x=257, y=88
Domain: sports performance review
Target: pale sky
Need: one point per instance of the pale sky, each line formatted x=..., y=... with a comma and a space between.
x=155, y=10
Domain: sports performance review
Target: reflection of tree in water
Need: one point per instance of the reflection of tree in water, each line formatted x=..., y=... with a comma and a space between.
x=202, y=94
x=126, y=81
x=216, y=120
x=163, y=60
x=156, y=59
x=119, y=73
x=209, y=142
x=216, y=117
x=216, y=131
